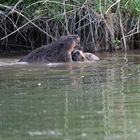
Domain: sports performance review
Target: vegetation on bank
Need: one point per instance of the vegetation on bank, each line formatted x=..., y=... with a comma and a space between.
x=101, y=24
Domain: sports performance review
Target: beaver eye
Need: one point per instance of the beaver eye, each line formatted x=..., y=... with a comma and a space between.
x=62, y=44
x=71, y=39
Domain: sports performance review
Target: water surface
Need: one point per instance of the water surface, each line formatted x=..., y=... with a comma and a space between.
x=76, y=101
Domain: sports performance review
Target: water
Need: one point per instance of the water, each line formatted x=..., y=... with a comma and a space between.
x=77, y=101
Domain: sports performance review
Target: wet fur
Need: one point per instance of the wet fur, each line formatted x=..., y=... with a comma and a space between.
x=79, y=55
x=58, y=51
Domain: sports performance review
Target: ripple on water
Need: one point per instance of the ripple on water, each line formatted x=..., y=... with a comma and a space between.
x=45, y=133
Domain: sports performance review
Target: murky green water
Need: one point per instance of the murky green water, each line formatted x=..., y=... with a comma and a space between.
x=79, y=101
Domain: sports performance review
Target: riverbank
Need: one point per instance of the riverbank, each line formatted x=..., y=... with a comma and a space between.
x=101, y=26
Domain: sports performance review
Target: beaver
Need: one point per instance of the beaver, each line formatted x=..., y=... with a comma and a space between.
x=79, y=55
x=58, y=51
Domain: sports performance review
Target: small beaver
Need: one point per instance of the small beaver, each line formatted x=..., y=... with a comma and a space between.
x=91, y=57
x=79, y=55
x=58, y=51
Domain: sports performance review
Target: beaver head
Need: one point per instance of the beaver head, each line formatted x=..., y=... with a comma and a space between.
x=69, y=42
x=78, y=55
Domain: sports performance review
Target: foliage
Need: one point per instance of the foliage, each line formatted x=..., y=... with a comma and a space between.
x=133, y=7
x=55, y=7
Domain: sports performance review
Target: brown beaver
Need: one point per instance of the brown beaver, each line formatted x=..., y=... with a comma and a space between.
x=79, y=55
x=58, y=51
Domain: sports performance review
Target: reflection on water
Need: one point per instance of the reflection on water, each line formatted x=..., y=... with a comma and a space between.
x=89, y=101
